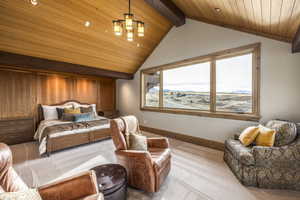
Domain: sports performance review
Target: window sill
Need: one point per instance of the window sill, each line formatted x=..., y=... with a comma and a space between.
x=235, y=116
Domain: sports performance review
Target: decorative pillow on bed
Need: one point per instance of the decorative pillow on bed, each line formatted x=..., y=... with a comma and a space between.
x=83, y=117
x=72, y=110
x=86, y=109
x=91, y=105
x=60, y=112
x=50, y=112
x=67, y=117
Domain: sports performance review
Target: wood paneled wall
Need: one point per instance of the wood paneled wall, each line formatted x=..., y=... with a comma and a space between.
x=22, y=91
x=17, y=94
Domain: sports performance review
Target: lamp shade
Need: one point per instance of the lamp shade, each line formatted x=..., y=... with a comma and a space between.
x=130, y=35
x=128, y=21
x=118, y=29
x=140, y=28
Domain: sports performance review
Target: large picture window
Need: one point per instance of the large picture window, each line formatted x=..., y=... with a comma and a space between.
x=223, y=84
x=187, y=87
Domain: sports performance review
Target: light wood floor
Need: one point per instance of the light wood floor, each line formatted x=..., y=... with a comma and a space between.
x=197, y=173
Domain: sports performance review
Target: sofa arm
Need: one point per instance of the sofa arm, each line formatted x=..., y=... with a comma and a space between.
x=139, y=167
x=285, y=156
x=76, y=187
x=159, y=142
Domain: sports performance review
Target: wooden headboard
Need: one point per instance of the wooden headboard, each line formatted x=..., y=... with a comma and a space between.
x=41, y=113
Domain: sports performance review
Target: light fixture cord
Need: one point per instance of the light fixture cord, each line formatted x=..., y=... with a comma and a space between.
x=129, y=6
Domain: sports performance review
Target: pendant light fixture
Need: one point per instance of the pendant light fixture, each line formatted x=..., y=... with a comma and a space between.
x=129, y=24
x=34, y=2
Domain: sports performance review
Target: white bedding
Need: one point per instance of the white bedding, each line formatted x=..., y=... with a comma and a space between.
x=46, y=123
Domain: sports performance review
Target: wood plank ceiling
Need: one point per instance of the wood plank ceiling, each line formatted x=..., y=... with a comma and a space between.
x=276, y=19
x=55, y=30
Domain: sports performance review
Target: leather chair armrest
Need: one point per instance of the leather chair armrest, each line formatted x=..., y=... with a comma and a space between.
x=94, y=197
x=158, y=142
x=138, y=164
x=143, y=155
x=76, y=187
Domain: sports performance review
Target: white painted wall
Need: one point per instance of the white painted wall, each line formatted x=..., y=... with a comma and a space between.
x=280, y=80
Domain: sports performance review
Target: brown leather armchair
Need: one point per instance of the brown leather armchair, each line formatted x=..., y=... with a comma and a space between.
x=82, y=186
x=146, y=169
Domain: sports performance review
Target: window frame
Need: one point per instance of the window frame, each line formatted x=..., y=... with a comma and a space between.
x=255, y=49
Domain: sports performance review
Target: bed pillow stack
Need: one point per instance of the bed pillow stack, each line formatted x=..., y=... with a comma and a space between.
x=68, y=112
x=78, y=114
x=50, y=112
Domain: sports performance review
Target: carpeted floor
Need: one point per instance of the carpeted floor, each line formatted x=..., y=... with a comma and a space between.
x=197, y=173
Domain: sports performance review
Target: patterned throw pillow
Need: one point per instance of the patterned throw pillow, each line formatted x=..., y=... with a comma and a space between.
x=89, y=109
x=137, y=142
x=86, y=109
x=90, y=105
x=30, y=194
x=286, y=132
x=83, y=117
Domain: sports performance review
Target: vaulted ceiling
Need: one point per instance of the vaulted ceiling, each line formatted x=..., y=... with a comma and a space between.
x=277, y=19
x=55, y=30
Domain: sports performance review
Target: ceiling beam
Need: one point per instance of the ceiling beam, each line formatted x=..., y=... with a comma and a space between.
x=296, y=42
x=29, y=62
x=168, y=9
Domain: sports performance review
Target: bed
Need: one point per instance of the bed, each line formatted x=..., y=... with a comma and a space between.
x=54, y=134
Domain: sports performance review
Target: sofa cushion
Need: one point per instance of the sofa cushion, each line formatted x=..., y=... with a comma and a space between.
x=160, y=157
x=239, y=151
x=286, y=132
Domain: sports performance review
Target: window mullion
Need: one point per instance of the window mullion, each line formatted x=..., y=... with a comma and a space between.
x=255, y=80
x=142, y=89
x=161, y=88
x=213, y=85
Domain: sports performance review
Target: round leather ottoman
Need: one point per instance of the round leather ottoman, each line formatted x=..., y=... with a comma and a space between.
x=112, y=181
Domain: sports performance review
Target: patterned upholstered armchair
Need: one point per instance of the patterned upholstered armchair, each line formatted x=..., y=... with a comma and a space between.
x=275, y=167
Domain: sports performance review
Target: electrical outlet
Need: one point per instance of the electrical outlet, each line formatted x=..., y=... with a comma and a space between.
x=145, y=121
